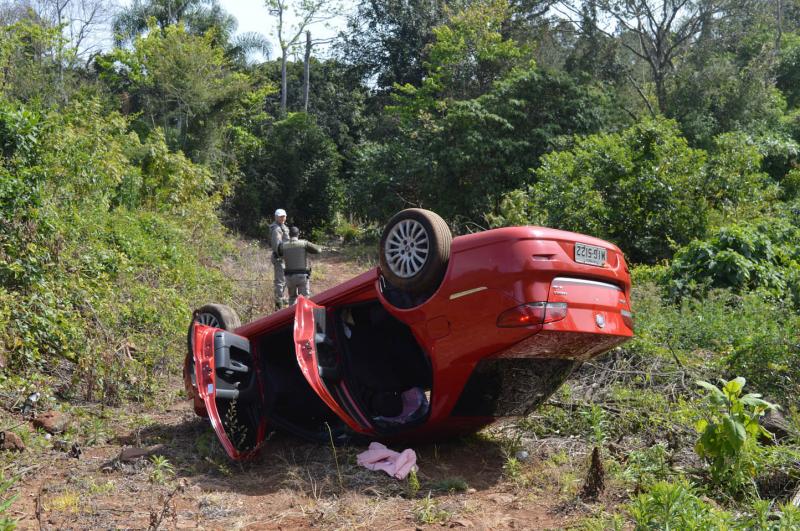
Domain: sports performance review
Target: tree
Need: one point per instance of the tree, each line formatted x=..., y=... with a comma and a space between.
x=198, y=17
x=661, y=31
x=294, y=166
x=81, y=20
x=387, y=41
x=179, y=82
x=478, y=122
x=306, y=13
x=29, y=61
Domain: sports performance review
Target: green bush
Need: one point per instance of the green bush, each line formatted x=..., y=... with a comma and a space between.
x=733, y=172
x=642, y=189
x=729, y=433
x=758, y=255
x=676, y=505
x=723, y=332
x=103, y=261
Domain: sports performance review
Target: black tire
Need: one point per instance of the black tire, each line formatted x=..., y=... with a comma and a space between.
x=217, y=315
x=414, y=250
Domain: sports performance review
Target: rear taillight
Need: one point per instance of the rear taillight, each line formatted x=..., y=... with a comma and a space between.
x=533, y=313
x=627, y=318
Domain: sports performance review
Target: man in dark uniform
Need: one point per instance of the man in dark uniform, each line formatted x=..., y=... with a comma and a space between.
x=298, y=270
x=278, y=233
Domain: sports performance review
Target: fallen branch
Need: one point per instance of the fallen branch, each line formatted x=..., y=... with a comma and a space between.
x=166, y=509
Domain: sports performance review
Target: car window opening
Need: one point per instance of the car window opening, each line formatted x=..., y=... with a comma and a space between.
x=291, y=402
x=387, y=371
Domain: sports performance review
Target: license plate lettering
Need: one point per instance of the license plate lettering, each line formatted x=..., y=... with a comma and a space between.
x=590, y=254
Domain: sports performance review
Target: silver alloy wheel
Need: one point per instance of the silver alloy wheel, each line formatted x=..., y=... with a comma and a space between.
x=207, y=319
x=406, y=248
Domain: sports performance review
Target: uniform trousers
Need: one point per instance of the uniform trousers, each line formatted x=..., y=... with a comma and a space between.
x=298, y=285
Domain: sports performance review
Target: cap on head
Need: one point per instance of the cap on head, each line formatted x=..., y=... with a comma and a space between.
x=280, y=212
x=294, y=232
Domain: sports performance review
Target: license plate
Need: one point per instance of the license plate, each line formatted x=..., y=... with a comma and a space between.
x=590, y=254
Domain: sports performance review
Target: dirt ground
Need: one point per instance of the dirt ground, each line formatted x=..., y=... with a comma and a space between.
x=186, y=482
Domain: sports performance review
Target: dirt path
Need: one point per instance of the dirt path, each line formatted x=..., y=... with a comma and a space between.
x=186, y=482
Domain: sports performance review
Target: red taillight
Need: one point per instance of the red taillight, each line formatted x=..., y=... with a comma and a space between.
x=533, y=313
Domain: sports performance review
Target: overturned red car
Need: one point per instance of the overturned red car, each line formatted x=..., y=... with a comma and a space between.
x=444, y=337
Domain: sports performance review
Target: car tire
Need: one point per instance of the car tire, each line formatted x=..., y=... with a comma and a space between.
x=414, y=250
x=217, y=315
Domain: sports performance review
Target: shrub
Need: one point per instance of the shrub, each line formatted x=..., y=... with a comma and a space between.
x=723, y=332
x=761, y=254
x=733, y=172
x=101, y=260
x=729, y=434
x=642, y=189
x=675, y=506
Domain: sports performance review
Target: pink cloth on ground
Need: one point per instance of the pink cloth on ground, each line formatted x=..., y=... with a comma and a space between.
x=378, y=457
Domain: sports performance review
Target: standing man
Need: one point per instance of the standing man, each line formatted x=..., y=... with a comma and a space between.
x=298, y=270
x=278, y=234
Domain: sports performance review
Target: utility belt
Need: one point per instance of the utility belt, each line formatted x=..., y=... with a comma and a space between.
x=297, y=272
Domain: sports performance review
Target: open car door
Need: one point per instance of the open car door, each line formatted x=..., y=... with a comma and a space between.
x=227, y=381
x=320, y=363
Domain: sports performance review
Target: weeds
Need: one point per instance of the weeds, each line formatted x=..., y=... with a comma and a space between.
x=513, y=469
x=454, y=484
x=647, y=466
x=729, y=435
x=595, y=417
x=412, y=484
x=674, y=506
x=427, y=511
x=6, y=523
x=68, y=501
x=162, y=470
x=96, y=431
x=335, y=458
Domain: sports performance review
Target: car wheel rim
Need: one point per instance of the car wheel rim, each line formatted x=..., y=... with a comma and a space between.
x=407, y=248
x=208, y=320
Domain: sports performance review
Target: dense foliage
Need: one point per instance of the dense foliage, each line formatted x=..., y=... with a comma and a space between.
x=98, y=264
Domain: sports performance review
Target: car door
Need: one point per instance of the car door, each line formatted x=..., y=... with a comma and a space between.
x=321, y=364
x=228, y=383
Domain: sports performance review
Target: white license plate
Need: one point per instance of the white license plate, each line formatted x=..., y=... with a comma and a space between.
x=590, y=254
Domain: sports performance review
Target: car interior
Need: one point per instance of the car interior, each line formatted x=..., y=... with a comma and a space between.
x=386, y=370
x=386, y=373
x=291, y=403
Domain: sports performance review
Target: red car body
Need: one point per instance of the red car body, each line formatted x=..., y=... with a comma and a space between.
x=513, y=315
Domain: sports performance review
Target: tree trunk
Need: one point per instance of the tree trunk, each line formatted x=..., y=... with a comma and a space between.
x=307, y=71
x=283, y=82
x=661, y=91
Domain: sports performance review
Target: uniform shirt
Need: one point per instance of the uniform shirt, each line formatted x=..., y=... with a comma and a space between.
x=278, y=233
x=295, y=255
